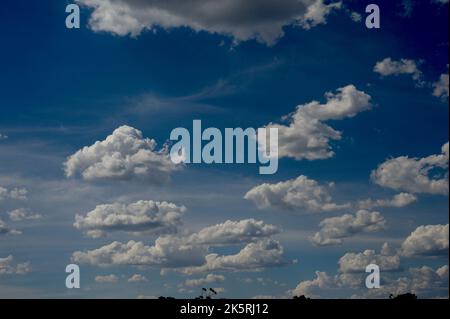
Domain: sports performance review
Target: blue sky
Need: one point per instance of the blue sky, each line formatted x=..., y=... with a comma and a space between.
x=62, y=90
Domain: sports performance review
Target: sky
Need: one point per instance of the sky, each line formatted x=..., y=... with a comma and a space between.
x=85, y=176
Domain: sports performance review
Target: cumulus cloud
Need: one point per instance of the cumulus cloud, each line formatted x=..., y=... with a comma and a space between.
x=232, y=233
x=425, y=282
x=389, y=67
x=253, y=257
x=6, y=230
x=125, y=154
x=242, y=20
x=107, y=279
x=192, y=253
x=312, y=288
x=3, y=137
x=429, y=240
x=15, y=193
x=334, y=230
x=166, y=252
x=399, y=200
x=137, y=278
x=138, y=217
x=209, y=279
x=357, y=262
x=7, y=267
x=307, y=136
x=440, y=87
x=301, y=193
x=413, y=174
x=23, y=214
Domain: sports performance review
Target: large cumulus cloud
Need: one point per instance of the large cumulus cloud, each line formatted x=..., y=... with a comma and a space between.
x=307, y=136
x=415, y=174
x=302, y=194
x=125, y=154
x=241, y=19
x=427, y=240
x=192, y=253
x=335, y=229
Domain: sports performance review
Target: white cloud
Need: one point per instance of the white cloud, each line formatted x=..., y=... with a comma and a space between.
x=3, y=137
x=242, y=20
x=307, y=136
x=209, y=279
x=167, y=252
x=399, y=200
x=5, y=230
x=425, y=282
x=138, y=217
x=430, y=240
x=23, y=214
x=295, y=194
x=137, y=278
x=413, y=174
x=191, y=253
x=7, y=267
x=389, y=67
x=312, y=288
x=357, y=262
x=107, y=279
x=253, y=257
x=15, y=193
x=232, y=233
x=125, y=154
x=334, y=230
x=440, y=87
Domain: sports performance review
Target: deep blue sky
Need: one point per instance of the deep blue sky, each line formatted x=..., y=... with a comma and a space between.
x=64, y=89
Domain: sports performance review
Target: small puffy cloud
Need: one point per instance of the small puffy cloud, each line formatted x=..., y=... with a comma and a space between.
x=110, y=279
x=137, y=278
x=334, y=230
x=413, y=174
x=355, y=16
x=399, y=200
x=167, y=252
x=209, y=279
x=23, y=214
x=232, y=233
x=389, y=67
x=301, y=194
x=441, y=87
x=6, y=230
x=3, y=137
x=14, y=194
x=357, y=262
x=429, y=240
x=125, y=154
x=141, y=216
x=307, y=136
x=312, y=288
x=240, y=19
x=253, y=257
x=7, y=267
